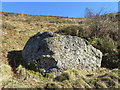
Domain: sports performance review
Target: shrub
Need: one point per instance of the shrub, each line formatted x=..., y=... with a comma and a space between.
x=104, y=45
x=110, y=60
x=102, y=26
x=75, y=30
x=110, y=53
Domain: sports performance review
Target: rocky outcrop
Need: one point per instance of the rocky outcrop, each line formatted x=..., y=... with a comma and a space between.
x=56, y=53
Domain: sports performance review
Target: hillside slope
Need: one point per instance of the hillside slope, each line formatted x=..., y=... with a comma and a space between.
x=18, y=28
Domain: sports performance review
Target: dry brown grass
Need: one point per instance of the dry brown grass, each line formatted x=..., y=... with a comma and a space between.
x=18, y=28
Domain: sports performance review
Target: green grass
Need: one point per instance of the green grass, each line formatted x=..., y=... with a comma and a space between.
x=16, y=32
x=102, y=78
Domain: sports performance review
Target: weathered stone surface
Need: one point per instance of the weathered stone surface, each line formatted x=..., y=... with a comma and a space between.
x=56, y=53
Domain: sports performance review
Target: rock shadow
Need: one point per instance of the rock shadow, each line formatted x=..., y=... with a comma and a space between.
x=15, y=59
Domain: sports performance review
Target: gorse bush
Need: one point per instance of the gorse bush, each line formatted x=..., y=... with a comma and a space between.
x=110, y=54
x=109, y=49
x=75, y=30
x=104, y=35
x=104, y=45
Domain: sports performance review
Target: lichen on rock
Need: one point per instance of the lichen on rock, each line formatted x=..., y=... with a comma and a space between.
x=56, y=53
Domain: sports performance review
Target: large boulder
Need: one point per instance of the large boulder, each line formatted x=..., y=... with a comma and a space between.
x=56, y=53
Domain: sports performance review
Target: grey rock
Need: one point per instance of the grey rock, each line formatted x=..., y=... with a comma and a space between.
x=56, y=53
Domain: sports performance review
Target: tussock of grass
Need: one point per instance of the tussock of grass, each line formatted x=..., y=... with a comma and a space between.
x=71, y=78
x=18, y=29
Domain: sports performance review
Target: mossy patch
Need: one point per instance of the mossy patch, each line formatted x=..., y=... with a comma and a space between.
x=36, y=73
x=33, y=68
